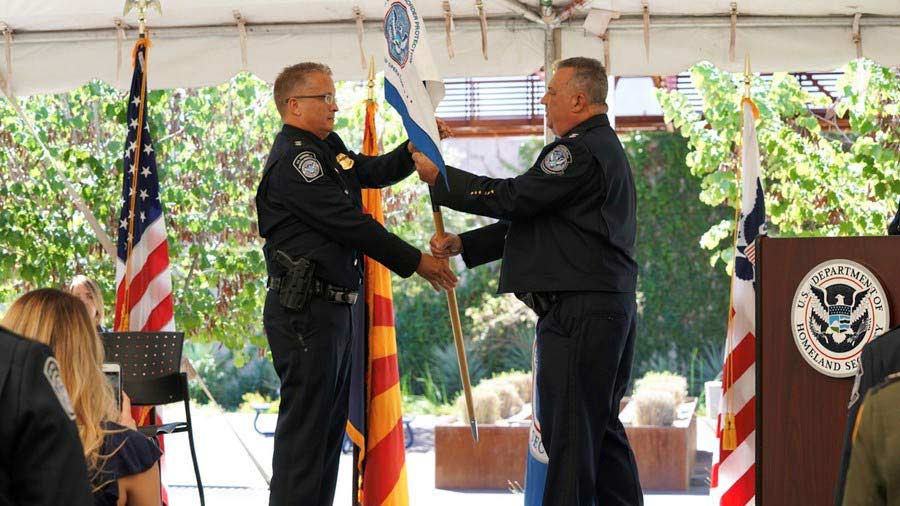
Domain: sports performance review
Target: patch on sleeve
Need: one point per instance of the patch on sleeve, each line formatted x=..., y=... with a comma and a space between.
x=308, y=166
x=557, y=160
x=51, y=372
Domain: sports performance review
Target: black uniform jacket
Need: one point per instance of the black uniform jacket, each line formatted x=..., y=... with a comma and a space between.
x=309, y=206
x=41, y=460
x=568, y=223
x=879, y=359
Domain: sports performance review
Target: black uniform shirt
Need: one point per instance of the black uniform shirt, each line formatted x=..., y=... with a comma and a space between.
x=41, y=460
x=309, y=206
x=568, y=223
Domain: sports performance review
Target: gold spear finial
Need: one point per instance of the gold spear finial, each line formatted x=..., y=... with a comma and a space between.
x=141, y=6
x=371, y=84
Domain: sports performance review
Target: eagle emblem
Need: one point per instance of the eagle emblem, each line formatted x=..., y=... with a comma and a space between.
x=396, y=33
x=840, y=321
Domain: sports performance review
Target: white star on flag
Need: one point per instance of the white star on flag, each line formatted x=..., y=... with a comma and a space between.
x=148, y=149
x=145, y=172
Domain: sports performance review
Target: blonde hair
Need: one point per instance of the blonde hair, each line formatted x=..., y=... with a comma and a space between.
x=94, y=290
x=60, y=320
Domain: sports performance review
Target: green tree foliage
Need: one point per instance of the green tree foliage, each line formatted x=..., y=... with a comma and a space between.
x=210, y=145
x=818, y=182
x=682, y=303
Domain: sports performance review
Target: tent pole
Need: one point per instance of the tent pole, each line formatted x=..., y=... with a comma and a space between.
x=552, y=53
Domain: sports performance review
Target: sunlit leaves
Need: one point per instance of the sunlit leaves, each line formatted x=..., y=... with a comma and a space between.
x=818, y=181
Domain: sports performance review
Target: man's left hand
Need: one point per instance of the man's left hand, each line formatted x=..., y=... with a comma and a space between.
x=443, y=129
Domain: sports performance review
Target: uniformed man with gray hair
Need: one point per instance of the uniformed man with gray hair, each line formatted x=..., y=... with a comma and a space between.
x=566, y=236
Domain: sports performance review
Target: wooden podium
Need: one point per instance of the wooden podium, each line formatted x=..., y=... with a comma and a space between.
x=800, y=412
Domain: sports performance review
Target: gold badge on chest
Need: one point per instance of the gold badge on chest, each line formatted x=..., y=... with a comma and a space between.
x=345, y=161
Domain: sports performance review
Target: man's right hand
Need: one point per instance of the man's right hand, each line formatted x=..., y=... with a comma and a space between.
x=445, y=246
x=437, y=272
x=427, y=170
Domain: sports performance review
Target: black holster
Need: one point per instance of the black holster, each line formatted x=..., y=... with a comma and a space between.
x=539, y=302
x=296, y=287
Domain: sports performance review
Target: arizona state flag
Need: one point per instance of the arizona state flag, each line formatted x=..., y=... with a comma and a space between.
x=378, y=430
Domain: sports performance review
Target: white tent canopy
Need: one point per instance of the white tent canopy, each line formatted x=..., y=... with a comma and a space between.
x=56, y=45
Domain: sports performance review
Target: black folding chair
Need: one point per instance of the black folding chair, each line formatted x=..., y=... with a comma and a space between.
x=151, y=376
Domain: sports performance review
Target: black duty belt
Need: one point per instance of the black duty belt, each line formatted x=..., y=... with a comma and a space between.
x=542, y=302
x=331, y=293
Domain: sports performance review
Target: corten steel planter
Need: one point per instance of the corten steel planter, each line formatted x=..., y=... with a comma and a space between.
x=497, y=460
x=665, y=455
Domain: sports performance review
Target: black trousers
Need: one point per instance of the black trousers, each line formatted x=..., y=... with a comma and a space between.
x=585, y=346
x=311, y=350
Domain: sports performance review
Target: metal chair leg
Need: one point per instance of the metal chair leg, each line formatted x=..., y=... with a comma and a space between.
x=190, y=431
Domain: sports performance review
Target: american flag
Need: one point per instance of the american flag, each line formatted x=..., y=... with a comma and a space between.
x=733, y=481
x=143, y=280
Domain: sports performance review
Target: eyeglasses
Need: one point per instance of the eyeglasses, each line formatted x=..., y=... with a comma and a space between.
x=328, y=98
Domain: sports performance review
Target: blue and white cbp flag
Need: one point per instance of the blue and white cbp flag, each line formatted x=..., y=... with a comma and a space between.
x=411, y=82
x=536, y=460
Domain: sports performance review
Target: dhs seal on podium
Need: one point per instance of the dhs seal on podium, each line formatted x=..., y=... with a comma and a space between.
x=838, y=307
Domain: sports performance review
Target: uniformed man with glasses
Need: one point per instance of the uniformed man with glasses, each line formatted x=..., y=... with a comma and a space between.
x=309, y=205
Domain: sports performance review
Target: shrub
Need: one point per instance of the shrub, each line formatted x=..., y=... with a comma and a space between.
x=654, y=407
x=487, y=406
x=665, y=381
x=510, y=402
x=519, y=379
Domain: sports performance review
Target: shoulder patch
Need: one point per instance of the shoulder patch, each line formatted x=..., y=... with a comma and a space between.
x=51, y=372
x=308, y=166
x=557, y=160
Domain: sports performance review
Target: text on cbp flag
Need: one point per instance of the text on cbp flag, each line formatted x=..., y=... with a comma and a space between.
x=411, y=82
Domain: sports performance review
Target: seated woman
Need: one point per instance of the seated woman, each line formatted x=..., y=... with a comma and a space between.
x=123, y=465
x=88, y=291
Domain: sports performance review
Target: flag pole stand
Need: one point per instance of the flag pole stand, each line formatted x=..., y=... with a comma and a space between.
x=457, y=333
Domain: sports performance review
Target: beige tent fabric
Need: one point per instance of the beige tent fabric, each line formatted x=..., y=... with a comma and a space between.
x=61, y=44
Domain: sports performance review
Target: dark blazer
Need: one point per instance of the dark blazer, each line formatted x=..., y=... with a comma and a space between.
x=41, y=460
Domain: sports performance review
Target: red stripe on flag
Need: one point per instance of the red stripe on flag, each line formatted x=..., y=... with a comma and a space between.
x=385, y=374
x=157, y=262
x=741, y=491
x=384, y=463
x=742, y=358
x=160, y=315
x=382, y=311
x=714, y=476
